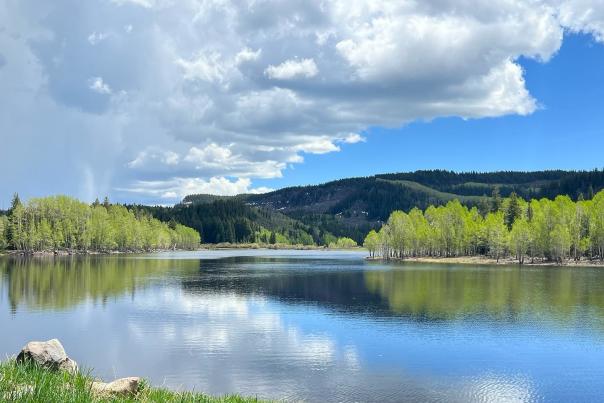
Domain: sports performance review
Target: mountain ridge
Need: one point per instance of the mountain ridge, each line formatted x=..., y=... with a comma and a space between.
x=352, y=206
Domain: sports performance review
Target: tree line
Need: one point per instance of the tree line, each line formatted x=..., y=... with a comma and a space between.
x=543, y=230
x=64, y=223
x=230, y=220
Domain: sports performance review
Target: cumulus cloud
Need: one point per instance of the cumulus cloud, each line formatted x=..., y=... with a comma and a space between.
x=201, y=91
x=583, y=16
x=247, y=55
x=290, y=69
x=181, y=187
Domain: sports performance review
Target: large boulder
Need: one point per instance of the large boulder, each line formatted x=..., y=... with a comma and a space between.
x=122, y=387
x=48, y=354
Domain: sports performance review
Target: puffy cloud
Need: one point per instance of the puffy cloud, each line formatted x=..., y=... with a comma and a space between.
x=291, y=69
x=206, y=90
x=585, y=16
x=152, y=156
x=247, y=55
x=176, y=188
x=353, y=138
x=97, y=84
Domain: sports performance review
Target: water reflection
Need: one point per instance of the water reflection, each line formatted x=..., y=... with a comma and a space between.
x=416, y=291
x=317, y=329
x=61, y=283
x=503, y=292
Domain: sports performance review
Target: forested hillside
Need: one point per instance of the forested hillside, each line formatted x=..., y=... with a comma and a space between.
x=233, y=221
x=320, y=214
x=352, y=207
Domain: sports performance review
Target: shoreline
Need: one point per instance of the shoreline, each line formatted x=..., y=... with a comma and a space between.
x=234, y=246
x=202, y=247
x=33, y=382
x=487, y=261
x=60, y=253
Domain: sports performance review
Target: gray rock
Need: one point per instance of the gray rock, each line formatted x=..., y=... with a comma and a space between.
x=48, y=354
x=123, y=386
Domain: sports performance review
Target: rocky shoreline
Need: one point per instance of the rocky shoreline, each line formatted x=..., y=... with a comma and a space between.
x=43, y=372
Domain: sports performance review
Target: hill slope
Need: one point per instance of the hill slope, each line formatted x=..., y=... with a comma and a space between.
x=350, y=207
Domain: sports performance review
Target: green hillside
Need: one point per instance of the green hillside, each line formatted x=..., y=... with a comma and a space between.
x=351, y=207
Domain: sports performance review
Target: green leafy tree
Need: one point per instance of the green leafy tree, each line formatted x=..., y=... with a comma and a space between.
x=62, y=222
x=520, y=239
x=3, y=232
x=372, y=242
x=344, y=243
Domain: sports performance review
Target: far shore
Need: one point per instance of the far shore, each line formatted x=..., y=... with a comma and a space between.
x=279, y=246
x=487, y=261
x=202, y=247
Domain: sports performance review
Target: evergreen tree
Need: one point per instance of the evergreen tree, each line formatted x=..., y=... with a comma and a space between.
x=484, y=206
x=496, y=200
x=513, y=210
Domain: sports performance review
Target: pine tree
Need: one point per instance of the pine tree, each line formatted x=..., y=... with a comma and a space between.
x=496, y=200
x=484, y=206
x=14, y=203
x=512, y=211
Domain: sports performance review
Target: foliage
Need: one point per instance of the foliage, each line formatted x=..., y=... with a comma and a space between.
x=63, y=223
x=546, y=229
x=372, y=242
x=32, y=383
x=343, y=243
x=3, y=232
x=231, y=220
x=352, y=207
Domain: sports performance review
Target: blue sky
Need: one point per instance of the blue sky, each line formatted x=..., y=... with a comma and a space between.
x=566, y=132
x=150, y=100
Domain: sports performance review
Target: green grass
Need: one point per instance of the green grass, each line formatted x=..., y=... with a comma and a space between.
x=32, y=383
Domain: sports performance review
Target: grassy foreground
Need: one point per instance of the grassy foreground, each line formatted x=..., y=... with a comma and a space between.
x=32, y=383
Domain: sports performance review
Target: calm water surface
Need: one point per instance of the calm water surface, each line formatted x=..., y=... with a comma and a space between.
x=316, y=326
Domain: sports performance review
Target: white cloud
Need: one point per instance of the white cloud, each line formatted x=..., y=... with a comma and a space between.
x=206, y=67
x=177, y=188
x=247, y=55
x=290, y=69
x=97, y=84
x=320, y=145
x=353, y=138
x=583, y=16
x=242, y=89
x=211, y=155
x=97, y=37
x=152, y=155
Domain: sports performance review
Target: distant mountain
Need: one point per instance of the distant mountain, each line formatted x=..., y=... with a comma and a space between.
x=351, y=207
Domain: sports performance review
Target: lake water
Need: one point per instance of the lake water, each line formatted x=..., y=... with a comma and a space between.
x=316, y=326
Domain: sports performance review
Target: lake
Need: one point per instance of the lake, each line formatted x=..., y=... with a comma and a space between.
x=316, y=325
